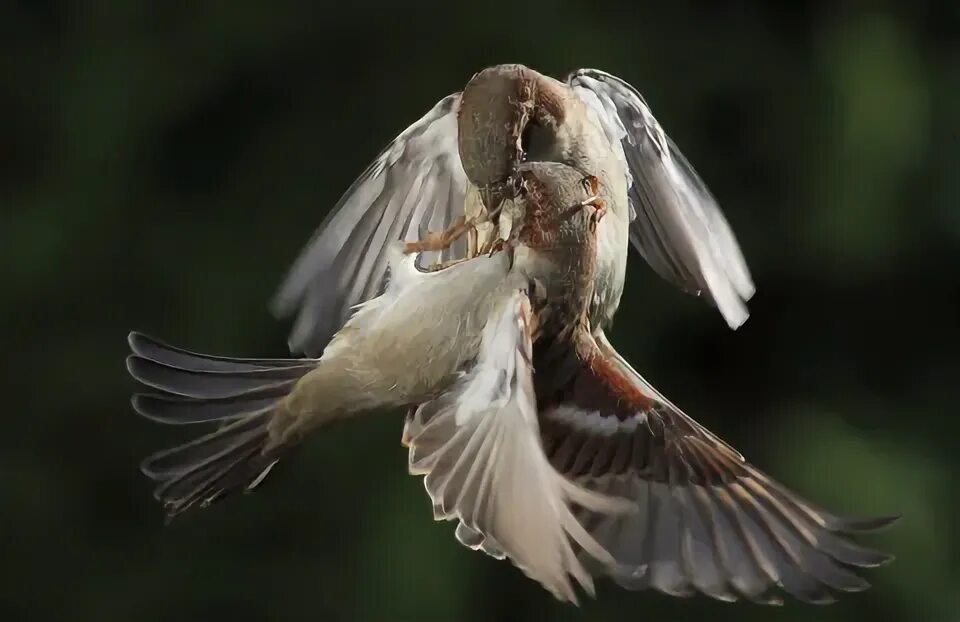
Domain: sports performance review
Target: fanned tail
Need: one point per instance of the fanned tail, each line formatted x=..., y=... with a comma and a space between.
x=241, y=395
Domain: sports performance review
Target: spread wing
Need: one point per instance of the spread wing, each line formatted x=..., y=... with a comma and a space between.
x=416, y=183
x=479, y=447
x=706, y=519
x=679, y=228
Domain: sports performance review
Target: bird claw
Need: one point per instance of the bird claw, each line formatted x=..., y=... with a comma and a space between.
x=599, y=211
x=591, y=186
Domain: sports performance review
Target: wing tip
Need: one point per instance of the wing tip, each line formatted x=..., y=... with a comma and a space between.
x=139, y=403
x=870, y=524
x=133, y=365
x=138, y=342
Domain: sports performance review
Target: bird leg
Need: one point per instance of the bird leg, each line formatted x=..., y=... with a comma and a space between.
x=479, y=226
x=473, y=242
x=599, y=211
x=496, y=246
x=439, y=241
x=592, y=186
x=492, y=246
x=475, y=211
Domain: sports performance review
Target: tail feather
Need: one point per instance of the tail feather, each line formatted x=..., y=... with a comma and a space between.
x=242, y=395
x=211, y=384
x=207, y=468
x=180, y=411
x=199, y=452
x=155, y=350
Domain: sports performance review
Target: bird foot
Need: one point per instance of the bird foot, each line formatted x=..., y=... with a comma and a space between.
x=599, y=211
x=592, y=186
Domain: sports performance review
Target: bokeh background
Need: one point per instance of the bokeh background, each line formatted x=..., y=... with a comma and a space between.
x=161, y=164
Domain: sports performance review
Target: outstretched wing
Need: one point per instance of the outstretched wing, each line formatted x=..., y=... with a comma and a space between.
x=706, y=519
x=679, y=228
x=479, y=447
x=416, y=183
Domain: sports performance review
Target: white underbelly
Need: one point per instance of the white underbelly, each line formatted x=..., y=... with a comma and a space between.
x=612, y=247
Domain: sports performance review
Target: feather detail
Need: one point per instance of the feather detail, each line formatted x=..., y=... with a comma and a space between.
x=480, y=449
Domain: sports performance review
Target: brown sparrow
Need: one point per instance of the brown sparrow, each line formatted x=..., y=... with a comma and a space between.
x=533, y=433
x=698, y=517
x=451, y=167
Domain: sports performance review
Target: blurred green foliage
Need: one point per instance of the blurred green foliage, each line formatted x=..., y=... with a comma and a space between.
x=162, y=163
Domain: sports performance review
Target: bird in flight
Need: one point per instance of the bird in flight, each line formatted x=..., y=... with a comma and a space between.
x=468, y=275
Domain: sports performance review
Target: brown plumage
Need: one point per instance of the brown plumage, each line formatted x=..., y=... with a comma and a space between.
x=700, y=518
x=531, y=431
x=705, y=520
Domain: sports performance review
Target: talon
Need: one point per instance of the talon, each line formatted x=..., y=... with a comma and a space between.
x=496, y=246
x=591, y=185
x=599, y=211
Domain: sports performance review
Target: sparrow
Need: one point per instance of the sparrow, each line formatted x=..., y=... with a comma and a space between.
x=532, y=432
x=449, y=170
x=469, y=325
x=671, y=505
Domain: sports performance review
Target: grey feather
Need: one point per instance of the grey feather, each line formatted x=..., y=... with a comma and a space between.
x=416, y=182
x=705, y=518
x=239, y=394
x=679, y=227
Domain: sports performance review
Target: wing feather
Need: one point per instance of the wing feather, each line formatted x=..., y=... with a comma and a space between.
x=679, y=227
x=416, y=182
x=479, y=446
x=706, y=520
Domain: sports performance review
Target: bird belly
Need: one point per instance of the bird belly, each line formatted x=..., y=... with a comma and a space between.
x=612, y=246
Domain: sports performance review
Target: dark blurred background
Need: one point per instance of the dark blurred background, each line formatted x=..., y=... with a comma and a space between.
x=161, y=164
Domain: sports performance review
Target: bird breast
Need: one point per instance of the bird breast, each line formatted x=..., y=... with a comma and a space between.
x=557, y=238
x=511, y=116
